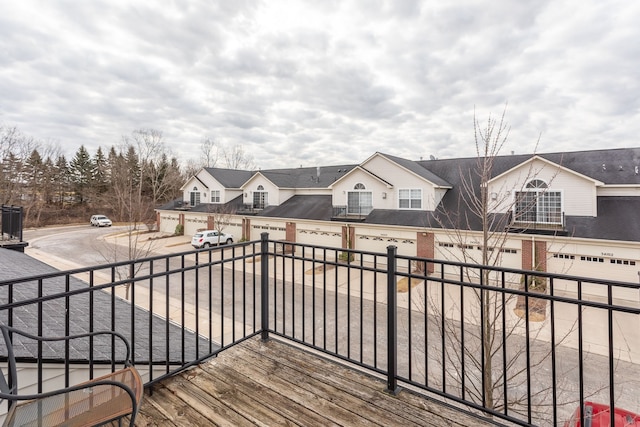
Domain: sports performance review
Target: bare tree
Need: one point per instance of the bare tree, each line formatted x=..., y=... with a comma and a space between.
x=210, y=150
x=491, y=353
x=15, y=150
x=141, y=178
x=236, y=158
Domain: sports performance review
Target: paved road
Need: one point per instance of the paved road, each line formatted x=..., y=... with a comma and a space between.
x=73, y=246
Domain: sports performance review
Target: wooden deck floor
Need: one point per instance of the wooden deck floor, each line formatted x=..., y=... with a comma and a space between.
x=276, y=384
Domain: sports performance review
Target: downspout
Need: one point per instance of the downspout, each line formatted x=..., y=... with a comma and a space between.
x=533, y=252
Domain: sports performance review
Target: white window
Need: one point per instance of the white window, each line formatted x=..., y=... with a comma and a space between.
x=537, y=204
x=410, y=198
x=194, y=197
x=215, y=196
x=359, y=201
x=260, y=198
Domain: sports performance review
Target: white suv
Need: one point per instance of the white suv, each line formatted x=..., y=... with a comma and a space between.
x=206, y=238
x=100, y=221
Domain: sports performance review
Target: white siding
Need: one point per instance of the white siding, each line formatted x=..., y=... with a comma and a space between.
x=371, y=183
x=401, y=178
x=252, y=185
x=578, y=193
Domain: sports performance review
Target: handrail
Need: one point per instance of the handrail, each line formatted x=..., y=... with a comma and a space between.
x=349, y=310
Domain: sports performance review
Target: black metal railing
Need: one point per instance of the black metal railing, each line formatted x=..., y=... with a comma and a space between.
x=355, y=212
x=518, y=346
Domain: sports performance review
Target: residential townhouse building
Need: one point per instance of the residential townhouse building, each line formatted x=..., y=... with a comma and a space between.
x=577, y=211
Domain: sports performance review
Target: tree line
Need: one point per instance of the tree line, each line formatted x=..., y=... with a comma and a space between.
x=125, y=182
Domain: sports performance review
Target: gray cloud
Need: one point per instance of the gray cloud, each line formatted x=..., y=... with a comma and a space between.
x=322, y=82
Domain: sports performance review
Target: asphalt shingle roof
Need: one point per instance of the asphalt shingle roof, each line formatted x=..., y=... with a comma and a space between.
x=302, y=207
x=310, y=177
x=14, y=265
x=230, y=178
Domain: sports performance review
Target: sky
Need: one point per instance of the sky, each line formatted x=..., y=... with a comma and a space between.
x=309, y=83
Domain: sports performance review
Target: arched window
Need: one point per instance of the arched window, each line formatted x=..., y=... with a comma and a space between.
x=359, y=201
x=536, y=183
x=538, y=204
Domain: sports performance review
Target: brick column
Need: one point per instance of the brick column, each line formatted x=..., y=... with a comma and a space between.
x=246, y=229
x=426, y=248
x=352, y=234
x=291, y=232
x=211, y=222
x=290, y=236
x=540, y=255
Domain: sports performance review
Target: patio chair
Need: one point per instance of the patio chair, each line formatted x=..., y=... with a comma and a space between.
x=101, y=400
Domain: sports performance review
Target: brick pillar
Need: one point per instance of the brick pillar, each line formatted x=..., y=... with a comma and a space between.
x=527, y=255
x=211, y=222
x=352, y=234
x=540, y=255
x=290, y=236
x=246, y=229
x=181, y=219
x=291, y=232
x=157, y=221
x=426, y=248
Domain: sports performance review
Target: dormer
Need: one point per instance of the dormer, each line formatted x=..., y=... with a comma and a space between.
x=539, y=192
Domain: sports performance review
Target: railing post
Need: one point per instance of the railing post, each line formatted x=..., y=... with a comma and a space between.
x=392, y=318
x=264, y=285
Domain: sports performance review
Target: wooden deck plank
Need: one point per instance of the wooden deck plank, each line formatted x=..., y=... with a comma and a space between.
x=288, y=396
x=314, y=392
x=209, y=402
x=270, y=397
x=275, y=383
x=242, y=397
x=406, y=405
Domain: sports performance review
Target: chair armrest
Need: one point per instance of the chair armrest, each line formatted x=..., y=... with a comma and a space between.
x=69, y=389
x=127, y=359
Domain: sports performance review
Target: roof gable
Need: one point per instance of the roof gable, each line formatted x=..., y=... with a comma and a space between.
x=534, y=158
x=412, y=167
x=191, y=181
x=366, y=171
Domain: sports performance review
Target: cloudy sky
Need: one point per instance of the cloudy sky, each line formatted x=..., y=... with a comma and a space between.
x=322, y=82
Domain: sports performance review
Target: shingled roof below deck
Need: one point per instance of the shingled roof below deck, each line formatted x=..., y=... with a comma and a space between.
x=316, y=207
x=15, y=265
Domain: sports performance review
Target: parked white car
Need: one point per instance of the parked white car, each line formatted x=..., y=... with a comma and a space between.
x=206, y=238
x=100, y=221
